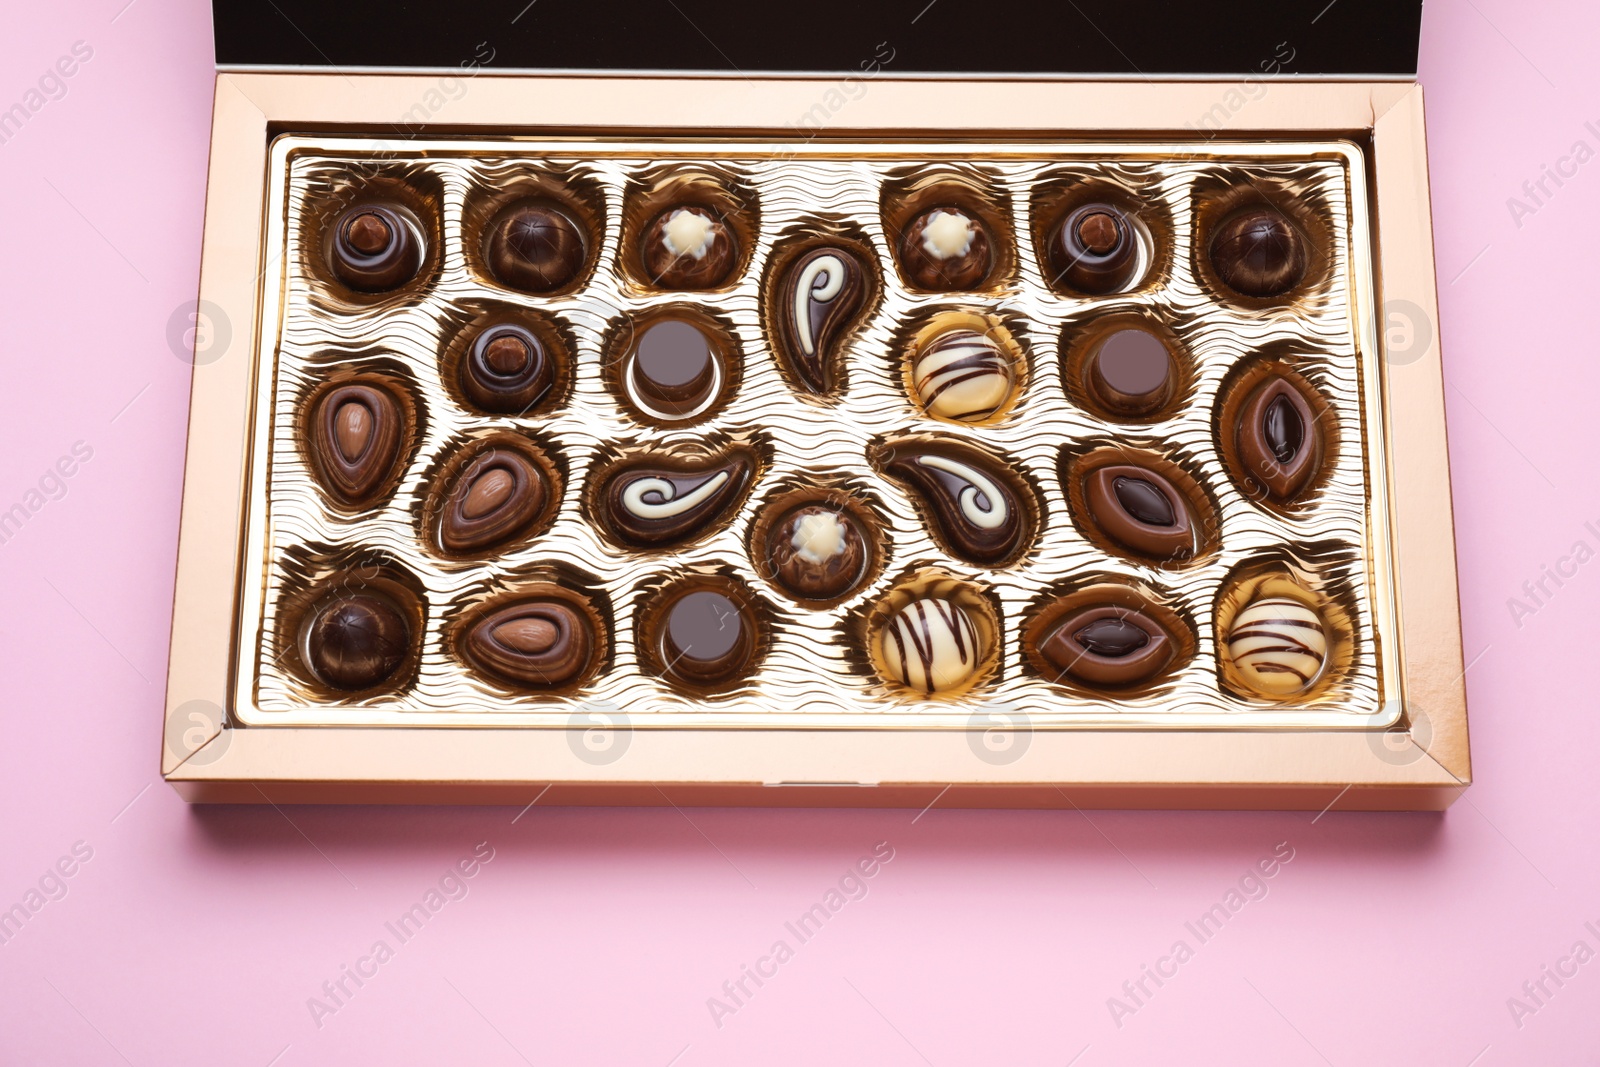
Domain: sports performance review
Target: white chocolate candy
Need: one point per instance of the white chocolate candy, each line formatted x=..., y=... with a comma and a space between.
x=930, y=645
x=962, y=375
x=1278, y=645
x=949, y=234
x=818, y=537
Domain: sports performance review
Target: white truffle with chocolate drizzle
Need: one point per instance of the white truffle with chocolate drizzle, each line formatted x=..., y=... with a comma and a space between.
x=1278, y=645
x=930, y=645
x=962, y=375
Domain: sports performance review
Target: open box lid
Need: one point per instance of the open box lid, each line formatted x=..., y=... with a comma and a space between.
x=1366, y=39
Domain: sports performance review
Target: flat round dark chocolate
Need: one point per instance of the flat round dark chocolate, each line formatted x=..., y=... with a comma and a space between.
x=507, y=370
x=1095, y=249
x=1279, y=439
x=355, y=641
x=374, y=247
x=535, y=246
x=945, y=249
x=817, y=553
x=354, y=439
x=1132, y=372
x=688, y=247
x=1259, y=252
x=542, y=643
x=1140, y=511
x=707, y=636
x=674, y=370
x=1108, y=645
x=495, y=497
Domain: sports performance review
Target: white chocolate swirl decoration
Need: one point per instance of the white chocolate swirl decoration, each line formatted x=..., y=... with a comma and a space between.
x=962, y=375
x=1278, y=645
x=821, y=279
x=667, y=505
x=931, y=645
x=982, y=503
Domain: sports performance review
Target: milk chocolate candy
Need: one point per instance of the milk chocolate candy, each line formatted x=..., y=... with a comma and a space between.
x=817, y=553
x=688, y=247
x=1095, y=249
x=707, y=634
x=1279, y=439
x=354, y=441
x=1258, y=252
x=354, y=641
x=1108, y=645
x=945, y=249
x=535, y=246
x=495, y=497
x=674, y=370
x=507, y=370
x=539, y=643
x=1141, y=511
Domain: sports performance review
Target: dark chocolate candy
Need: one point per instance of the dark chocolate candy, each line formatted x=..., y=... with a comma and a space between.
x=374, y=246
x=974, y=505
x=816, y=552
x=535, y=246
x=819, y=300
x=1279, y=439
x=1132, y=372
x=1095, y=249
x=355, y=641
x=653, y=503
x=707, y=635
x=1258, y=252
x=946, y=248
x=1141, y=511
x=674, y=370
x=354, y=441
x=688, y=247
x=498, y=494
x=540, y=643
x=1108, y=645
x=507, y=369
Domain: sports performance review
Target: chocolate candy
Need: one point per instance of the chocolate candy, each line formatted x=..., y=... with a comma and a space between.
x=1141, y=511
x=1279, y=439
x=930, y=645
x=1131, y=372
x=818, y=301
x=654, y=503
x=354, y=441
x=1258, y=252
x=1278, y=645
x=817, y=553
x=946, y=249
x=674, y=370
x=541, y=643
x=374, y=246
x=495, y=498
x=962, y=375
x=1095, y=249
x=688, y=247
x=1108, y=645
x=507, y=370
x=535, y=246
x=354, y=641
x=974, y=505
x=706, y=634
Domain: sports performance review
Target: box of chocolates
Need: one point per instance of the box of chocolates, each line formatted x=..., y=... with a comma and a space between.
x=618, y=442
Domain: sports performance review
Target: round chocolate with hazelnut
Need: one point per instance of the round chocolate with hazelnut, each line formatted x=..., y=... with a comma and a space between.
x=354, y=641
x=535, y=246
x=374, y=247
x=507, y=369
x=688, y=247
x=1095, y=249
x=946, y=249
x=1258, y=252
x=817, y=553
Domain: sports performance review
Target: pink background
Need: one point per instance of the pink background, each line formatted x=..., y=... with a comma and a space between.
x=197, y=936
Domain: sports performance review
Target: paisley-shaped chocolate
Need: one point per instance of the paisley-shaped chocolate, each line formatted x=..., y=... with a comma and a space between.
x=1278, y=644
x=1094, y=249
x=493, y=499
x=946, y=248
x=652, y=503
x=354, y=441
x=374, y=246
x=1141, y=511
x=1108, y=645
x=688, y=247
x=507, y=369
x=1279, y=440
x=707, y=633
x=354, y=641
x=540, y=643
x=975, y=505
x=819, y=299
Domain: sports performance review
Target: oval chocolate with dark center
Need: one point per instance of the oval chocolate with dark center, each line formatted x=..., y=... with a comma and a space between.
x=1107, y=645
x=1141, y=511
x=496, y=497
x=1278, y=439
x=355, y=641
x=539, y=643
x=354, y=442
x=976, y=506
x=373, y=247
x=652, y=503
